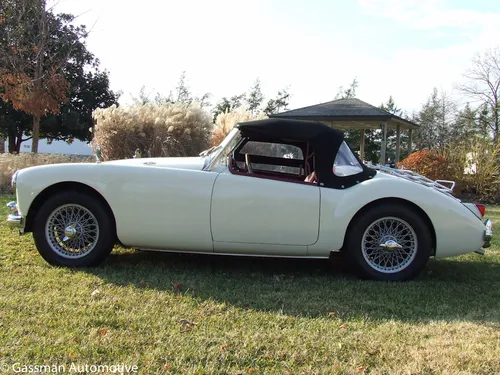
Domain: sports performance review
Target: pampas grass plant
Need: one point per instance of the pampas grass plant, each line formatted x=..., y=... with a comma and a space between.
x=225, y=122
x=170, y=129
x=9, y=163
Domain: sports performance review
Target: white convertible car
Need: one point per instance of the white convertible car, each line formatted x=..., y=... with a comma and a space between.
x=273, y=187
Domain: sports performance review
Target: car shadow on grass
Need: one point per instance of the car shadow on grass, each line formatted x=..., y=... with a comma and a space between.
x=466, y=289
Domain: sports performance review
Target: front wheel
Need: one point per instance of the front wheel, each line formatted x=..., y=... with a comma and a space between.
x=389, y=242
x=73, y=229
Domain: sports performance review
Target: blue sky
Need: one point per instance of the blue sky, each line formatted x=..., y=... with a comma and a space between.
x=402, y=48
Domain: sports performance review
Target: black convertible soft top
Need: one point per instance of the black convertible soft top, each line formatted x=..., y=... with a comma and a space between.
x=288, y=129
x=325, y=141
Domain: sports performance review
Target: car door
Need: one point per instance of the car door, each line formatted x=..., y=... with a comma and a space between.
x=264, y=214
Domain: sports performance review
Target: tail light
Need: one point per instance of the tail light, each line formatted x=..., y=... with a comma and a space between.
x=481, y=208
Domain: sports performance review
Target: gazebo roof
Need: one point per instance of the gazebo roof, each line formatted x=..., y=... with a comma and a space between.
x=348, y=113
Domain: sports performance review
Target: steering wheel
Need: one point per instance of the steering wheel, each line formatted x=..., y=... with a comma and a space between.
x=248, y=164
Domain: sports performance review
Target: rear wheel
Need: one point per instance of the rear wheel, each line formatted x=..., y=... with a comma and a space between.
x=390, y=242
x=73, y=229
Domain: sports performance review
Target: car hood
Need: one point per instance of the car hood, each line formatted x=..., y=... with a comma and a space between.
x=195, y=163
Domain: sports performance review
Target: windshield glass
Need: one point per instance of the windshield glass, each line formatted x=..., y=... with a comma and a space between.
x=219, y=153
x=345, y=163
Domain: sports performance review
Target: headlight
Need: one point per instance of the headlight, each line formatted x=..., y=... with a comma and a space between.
x=13, y=181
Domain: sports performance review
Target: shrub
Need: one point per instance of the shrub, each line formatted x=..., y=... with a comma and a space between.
x=225, y=122
x=9, y=163
x=170, y=129
x=474, y=165
x=427, y=163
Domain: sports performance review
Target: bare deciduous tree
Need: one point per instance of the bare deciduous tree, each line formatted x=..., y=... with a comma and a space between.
x=348, y=93
x=483, y=85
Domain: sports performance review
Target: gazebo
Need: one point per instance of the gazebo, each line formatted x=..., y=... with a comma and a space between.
x=356, y=114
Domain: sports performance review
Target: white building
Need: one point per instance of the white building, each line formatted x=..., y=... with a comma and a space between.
x=471, y=166
x=57, y=147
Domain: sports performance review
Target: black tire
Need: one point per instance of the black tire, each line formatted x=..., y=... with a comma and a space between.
x=104, y=223
x=411, y=266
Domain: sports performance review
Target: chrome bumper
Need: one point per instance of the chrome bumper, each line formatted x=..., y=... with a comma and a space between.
x=14, y=220
x=488, y=233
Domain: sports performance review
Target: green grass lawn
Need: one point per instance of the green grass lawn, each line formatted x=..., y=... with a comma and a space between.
x=184, y=314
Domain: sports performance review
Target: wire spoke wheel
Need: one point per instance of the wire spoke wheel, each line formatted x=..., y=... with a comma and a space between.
x=389, y=245
x=72, y=231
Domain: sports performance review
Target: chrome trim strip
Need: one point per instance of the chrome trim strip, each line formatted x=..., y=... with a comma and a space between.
x=236, y=254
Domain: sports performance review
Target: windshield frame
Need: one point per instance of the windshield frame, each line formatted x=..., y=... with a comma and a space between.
x=223, y=148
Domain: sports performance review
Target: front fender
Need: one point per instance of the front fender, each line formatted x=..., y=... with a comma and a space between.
x=33, y=180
